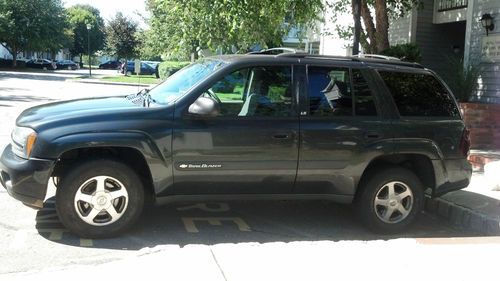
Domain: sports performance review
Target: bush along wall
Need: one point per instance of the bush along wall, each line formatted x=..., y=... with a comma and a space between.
x=168, y=68
x=405, y=52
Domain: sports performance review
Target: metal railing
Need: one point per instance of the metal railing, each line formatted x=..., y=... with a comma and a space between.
x=447, y=5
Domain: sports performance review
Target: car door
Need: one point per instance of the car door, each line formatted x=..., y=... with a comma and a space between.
x=342, y=128
x=250, y=146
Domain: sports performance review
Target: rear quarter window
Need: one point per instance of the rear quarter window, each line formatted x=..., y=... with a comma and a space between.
x=419, y=94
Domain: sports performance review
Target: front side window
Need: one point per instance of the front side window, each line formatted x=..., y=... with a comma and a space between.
x=419, y=94
x=330, y=92
x=255, y=91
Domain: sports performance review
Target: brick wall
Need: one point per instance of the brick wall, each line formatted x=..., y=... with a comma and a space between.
x=483, y=121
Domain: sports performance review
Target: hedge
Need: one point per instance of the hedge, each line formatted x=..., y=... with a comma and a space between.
x=168, y=68
x=8, y=63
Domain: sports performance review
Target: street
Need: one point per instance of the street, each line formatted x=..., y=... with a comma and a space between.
x=257, y=240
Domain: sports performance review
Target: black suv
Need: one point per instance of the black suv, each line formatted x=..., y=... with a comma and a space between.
x=378, y=133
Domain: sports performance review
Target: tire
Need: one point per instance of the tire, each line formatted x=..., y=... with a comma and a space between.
x=129, y=73
x=92, y=215
x=382, y=213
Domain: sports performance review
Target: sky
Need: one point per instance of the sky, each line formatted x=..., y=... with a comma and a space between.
x=109, y=8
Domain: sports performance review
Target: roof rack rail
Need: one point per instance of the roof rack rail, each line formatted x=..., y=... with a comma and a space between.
x=375, y=56
x=277, y=51
x=369, y=58
x=316, y=56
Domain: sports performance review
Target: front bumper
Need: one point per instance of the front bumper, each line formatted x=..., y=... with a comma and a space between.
x=25, y=180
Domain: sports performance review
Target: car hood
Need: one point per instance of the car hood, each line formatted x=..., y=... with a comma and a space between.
x=80, y=108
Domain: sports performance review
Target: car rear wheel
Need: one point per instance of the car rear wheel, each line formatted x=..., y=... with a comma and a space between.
x=129, y=73
x=99, y=198
x=390, y=200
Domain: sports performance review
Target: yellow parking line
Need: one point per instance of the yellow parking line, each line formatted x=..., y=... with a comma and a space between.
x=86, y=242
x=189, y=222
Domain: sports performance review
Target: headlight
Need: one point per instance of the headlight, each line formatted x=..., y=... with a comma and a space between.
x=23, y=141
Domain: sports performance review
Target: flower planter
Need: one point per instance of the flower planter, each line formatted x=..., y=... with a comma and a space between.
x=483, y=121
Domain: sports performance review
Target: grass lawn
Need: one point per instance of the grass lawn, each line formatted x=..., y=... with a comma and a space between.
x=142, y=79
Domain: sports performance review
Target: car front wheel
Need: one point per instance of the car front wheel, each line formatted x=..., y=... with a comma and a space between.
x=99, y=198
x=390, y=200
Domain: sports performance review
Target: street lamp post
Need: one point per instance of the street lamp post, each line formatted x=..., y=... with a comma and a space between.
x=89, y=26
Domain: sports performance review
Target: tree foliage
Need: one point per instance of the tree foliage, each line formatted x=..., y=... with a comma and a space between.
x=181, y=27
x=35, y=25
x=375, y=15
x=78, y=17
x=121, y=37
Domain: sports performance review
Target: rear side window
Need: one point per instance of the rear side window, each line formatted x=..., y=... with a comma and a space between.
x=330, y=91
x=364, y=104
x=417, y=94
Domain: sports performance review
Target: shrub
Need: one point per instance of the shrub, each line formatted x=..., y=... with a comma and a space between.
x=461, y=80
x=8, y=63
x=168, y=68
x=405, y=52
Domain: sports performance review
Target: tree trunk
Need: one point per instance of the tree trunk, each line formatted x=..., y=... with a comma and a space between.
x=364, y=43
x=81, y=60
x=382, y=37
x=369, y=26
x=14, y=56
x=356, y=11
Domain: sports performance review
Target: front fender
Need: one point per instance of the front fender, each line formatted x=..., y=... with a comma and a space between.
x=158, y=159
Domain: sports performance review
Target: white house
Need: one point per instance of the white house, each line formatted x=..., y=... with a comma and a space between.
x=4, y=54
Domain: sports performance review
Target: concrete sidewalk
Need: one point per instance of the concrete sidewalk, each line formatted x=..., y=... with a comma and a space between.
x=476, y=207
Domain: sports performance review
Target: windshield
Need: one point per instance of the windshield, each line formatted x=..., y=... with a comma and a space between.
x=179, y=83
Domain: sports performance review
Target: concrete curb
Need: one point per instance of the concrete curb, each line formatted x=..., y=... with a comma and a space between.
x=462, y=217
x=109, y=83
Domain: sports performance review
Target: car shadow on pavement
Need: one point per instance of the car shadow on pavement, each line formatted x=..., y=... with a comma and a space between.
x=21, y=98
x=239, y=222
x=44, y=76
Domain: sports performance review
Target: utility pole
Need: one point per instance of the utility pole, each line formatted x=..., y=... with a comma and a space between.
x=356, y=12
x=88, y=48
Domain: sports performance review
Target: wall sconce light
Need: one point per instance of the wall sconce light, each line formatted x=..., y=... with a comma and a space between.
x=487, y=22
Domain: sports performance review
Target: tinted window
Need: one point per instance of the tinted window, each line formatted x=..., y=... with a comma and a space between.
x=419, y=94
x=364, y=104
x=329, y=91
x=256, y=91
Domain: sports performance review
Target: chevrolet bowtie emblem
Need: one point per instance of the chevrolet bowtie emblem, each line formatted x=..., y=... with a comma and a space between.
x=183, y=166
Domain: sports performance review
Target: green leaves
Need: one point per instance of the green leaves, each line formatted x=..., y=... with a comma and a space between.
x=181, y=27
x=121, y=38
x=37, y=25
x=78, y=18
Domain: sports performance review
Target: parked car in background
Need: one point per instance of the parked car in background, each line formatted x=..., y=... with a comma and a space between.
x=156, y=66
x=67, y=64
x=41, y=64
x=111, y=64
x=129, y=68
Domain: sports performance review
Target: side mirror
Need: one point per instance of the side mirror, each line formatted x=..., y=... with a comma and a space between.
x=204, y=106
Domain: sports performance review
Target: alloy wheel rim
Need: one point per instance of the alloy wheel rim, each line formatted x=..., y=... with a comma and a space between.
x=101, y=200
x=393, y=202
